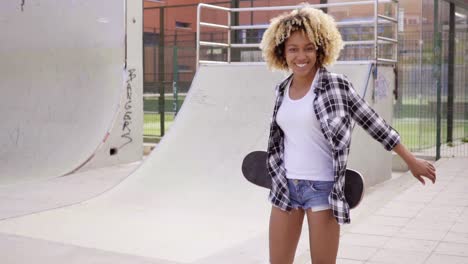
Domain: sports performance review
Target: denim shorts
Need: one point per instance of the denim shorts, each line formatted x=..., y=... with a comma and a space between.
x=305, y=194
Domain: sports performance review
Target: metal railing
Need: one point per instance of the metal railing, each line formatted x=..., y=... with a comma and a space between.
x=376, y=21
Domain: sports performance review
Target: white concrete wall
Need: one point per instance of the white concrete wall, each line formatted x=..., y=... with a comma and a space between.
x=61, y=82
x=126, y=135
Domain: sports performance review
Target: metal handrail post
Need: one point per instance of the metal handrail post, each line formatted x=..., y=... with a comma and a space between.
x=397, y=14
x=229, y=38
x=376, y=24
x=198, y=36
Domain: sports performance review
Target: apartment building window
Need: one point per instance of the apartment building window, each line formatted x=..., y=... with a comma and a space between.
x=184, y=25
x=150, y=39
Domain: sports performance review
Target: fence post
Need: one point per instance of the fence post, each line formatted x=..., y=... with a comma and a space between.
x=234, y=21
x=451, y=74
x=437, y=75
x=175, y=75
x=161, y=69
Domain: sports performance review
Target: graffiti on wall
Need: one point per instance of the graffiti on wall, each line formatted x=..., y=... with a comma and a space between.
x=127, y=118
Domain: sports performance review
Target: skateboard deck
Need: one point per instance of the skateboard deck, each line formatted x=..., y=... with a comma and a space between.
x=254, y=169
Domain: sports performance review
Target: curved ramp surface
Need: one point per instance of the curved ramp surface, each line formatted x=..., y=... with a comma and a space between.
x=188, y=202
x=62, y=79
x=189, y=199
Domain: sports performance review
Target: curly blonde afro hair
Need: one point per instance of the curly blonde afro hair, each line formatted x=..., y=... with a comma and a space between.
x=319, y=27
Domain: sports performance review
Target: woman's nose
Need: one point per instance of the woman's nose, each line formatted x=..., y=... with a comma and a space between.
x=301, y=54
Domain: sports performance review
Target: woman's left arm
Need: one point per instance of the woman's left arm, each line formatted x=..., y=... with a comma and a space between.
x=418, y=167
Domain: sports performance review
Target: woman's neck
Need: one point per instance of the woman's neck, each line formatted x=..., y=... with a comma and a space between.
x=304, y=82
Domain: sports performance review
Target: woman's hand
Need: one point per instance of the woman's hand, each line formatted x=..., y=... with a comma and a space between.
x=422, y=168
x=418, y=167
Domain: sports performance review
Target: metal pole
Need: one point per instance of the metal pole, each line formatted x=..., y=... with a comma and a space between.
x=322, y=2
x=376, y=24
x=397, y=15
x=198, y=37
x=229, y=37
x=396, y=92
x=211, y=47
x=161, y=69
x=451, y=74
x=155, y=62
x=251, y=13
x=464, y=50
x=233, y=19
x=420, y=75
x=437, y=75
x=175, y=72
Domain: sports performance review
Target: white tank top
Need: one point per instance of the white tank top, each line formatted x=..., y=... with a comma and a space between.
x=307, y=154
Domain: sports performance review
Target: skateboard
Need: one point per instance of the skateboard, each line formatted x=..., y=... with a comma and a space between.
x=254, y=169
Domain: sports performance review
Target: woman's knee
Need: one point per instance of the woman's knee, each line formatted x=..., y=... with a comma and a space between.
x=323, y=261
x=282, y=260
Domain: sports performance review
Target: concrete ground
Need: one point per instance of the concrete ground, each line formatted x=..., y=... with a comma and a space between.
x=400, y=221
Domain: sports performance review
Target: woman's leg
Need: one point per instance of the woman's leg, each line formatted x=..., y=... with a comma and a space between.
x=285, y=230
x=324, y=236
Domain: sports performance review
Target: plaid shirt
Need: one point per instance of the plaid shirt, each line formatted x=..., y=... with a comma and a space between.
x=336, y=106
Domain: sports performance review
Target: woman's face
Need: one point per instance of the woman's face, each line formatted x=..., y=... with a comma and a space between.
x=301, y=54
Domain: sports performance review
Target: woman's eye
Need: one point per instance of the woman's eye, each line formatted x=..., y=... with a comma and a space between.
x=292, y=50
x=310, y=49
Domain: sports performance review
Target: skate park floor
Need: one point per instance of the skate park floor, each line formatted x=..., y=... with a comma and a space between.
x=399, y=221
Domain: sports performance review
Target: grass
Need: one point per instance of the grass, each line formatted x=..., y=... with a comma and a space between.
x=420, y=134
x=152, y=125
x=416, y=134
x=152, y=118
x=415, y=100
x=411, y=107
x=151, y=104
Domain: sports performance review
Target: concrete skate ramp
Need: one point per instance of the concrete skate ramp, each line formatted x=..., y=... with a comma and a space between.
x=62, y=79
x=188, y=202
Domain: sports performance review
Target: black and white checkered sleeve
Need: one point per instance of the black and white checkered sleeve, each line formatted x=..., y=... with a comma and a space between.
x=370, y=121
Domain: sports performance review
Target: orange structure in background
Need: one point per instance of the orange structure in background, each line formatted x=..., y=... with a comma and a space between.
x=180, y=18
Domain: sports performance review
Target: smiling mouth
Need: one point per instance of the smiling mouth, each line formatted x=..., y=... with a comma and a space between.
x=301, y=65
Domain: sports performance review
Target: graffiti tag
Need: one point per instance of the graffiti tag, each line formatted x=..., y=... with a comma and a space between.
x=127, y=118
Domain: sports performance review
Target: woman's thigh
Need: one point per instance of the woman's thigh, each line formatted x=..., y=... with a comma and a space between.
x=285, y=230
x=324, y=236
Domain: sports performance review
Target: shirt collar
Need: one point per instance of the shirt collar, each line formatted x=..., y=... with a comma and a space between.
x=321, y=80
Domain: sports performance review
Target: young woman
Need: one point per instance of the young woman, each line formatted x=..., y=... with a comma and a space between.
x=310, y=135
